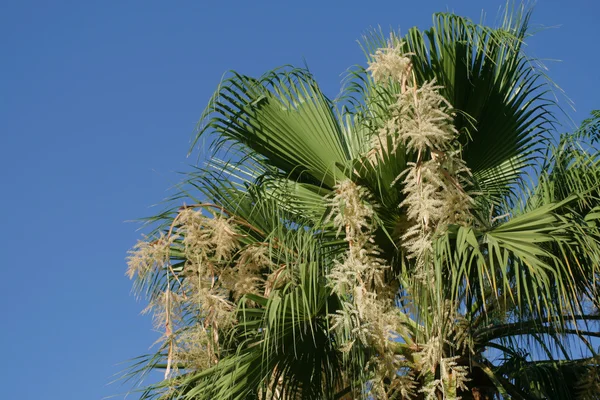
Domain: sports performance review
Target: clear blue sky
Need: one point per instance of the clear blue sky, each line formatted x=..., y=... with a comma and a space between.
x=98, y=102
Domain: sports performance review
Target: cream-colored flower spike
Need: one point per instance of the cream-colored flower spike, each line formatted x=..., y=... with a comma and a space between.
x=368, y=311
x=434, y=195
x=422, y=121
x=390, y=64
x=207, y=243
x=349, y=211
x=148, y=255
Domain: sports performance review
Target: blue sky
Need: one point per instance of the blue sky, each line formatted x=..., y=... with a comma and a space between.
x=98, y=103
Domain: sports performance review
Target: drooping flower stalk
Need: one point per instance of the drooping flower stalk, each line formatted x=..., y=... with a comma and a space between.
x=421, y=121
x=368, y=312
x=197, y=292
x=434, y=195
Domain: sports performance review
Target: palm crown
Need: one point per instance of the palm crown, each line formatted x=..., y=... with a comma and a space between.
x=387, y=244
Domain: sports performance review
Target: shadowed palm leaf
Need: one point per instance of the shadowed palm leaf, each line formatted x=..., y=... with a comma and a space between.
x=264, y=293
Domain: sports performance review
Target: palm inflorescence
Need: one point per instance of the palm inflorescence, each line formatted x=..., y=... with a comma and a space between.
x=424, y=236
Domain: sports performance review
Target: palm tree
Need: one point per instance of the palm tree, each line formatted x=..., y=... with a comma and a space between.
x=424, y=236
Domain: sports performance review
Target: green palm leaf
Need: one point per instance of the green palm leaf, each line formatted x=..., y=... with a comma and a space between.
x=521, y=272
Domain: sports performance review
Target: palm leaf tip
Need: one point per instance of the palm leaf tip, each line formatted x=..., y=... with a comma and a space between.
x=385, y=245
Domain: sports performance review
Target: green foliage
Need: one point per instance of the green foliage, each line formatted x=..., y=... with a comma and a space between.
x=497, y=305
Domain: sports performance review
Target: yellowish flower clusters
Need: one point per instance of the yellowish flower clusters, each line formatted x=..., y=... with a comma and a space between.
x=390, y=64
x=197, y=292
x=421, y=121
x=198, y=301
x=368, y=314
x=245, y=276
x=433, y=186
x=205, y=237
x=148, y=255
x=218, y=270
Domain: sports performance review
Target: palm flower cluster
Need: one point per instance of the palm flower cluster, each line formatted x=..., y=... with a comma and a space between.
x=368, y=313
x=390, y=64
x=386, y=245
x=197, y=302
x=422, y=122
x=435, y=197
